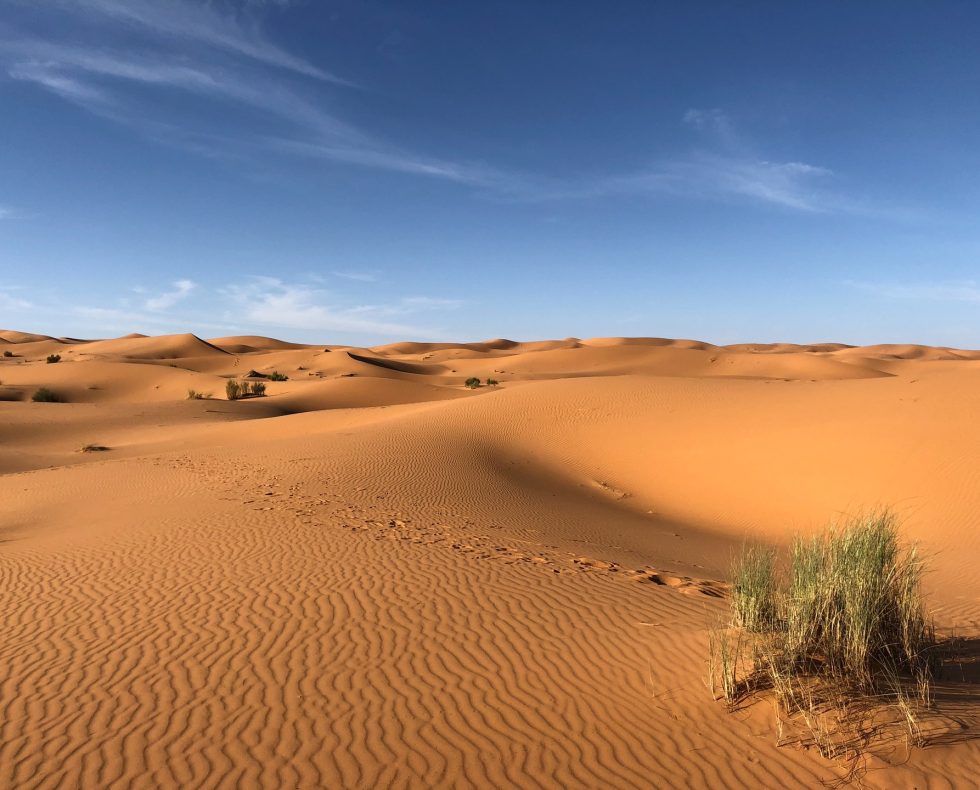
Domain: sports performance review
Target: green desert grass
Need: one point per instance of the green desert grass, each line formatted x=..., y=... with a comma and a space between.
x=838, y=638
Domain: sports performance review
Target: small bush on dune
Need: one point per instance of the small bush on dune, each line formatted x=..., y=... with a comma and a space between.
x=839, y=639
x=44, y=395
x=492, y=382
x=93, y=448
x=277, y=376
x=236, y=390
x=53, y=358
x=254, y=374
x=472, y=383
x=195, y=395
x=8, y=353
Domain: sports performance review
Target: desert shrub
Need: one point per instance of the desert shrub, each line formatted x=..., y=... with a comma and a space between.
x=44, y=395
x=492, y=382
x=8, y=353
x=839, y=639
x=254, y=374
x=193, y=394
x=93, y=448
x=237, y=390
x=472, y=382
x=277, y=376
x=53, y=358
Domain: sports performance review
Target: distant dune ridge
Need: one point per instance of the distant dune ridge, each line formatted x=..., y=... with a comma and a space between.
x=376, y=576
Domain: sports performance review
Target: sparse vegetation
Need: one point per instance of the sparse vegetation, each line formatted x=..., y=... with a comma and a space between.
x=53, y=358
x=93, y=448
x=277, y=376
x=8, y=354
x=193, y=394
x=472, y=382
x=254, y=374
x=492, y=382
x=236, y=390
x=840, y=640
x=44, y=395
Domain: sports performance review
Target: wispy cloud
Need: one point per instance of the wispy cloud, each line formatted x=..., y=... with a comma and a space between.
x=361, y=277
x=714, y=121
x=201, y=52
x=164, y=301
x=273, y=302
x=104, y=320
x=10, y=302
x=725, y=166
x=238, y=307
x=202, y=24
x=961, y=291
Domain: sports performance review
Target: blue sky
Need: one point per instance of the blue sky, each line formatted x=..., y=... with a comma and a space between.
x=360, y=172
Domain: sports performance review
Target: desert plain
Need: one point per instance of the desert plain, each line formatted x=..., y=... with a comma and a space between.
x=375, y=576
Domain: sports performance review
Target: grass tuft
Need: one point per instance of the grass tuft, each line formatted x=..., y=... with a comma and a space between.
x=754, y=589
x=838, y=640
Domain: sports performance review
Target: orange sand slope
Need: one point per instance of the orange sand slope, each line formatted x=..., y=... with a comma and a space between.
x=374, y=576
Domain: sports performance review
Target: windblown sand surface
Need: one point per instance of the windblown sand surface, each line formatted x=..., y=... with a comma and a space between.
x=374, y=577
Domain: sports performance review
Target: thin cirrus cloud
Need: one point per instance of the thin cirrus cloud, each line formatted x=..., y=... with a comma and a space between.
x=964, y=291
x=195, y=49
x=203, y=25
x=360, y=277
x=181, y=290
x=10, y=302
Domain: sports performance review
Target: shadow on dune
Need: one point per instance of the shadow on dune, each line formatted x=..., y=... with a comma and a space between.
x=956, y=693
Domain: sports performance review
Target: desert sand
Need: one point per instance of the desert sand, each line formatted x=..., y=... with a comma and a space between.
x=376, y=577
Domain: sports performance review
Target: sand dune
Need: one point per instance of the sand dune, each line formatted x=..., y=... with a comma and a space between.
x=13, y=336
x=374, y=576
x=142, y=347
x=247, y=344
